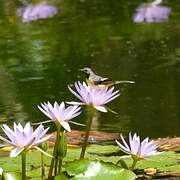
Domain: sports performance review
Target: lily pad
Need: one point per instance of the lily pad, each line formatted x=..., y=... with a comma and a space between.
x=97, y=170
x=167, y=162
x=61, y=176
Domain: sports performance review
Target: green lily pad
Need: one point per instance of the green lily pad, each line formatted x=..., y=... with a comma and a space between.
x=61, y=176
x=165, y=162
x=97, y=170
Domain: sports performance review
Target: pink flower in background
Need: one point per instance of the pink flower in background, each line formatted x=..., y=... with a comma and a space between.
x=35, y=12
x=151, y=12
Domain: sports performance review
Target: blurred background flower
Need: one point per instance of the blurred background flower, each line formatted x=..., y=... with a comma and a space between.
x=151, y=12
x=38, y=11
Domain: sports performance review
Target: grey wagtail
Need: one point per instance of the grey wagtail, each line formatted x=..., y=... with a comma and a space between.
x=98, y=81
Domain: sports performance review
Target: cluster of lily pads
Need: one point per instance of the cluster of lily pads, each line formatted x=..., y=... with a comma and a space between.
x=23, y=138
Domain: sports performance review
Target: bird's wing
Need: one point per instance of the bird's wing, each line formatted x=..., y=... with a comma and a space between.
x=95, y=78
x=105, y=81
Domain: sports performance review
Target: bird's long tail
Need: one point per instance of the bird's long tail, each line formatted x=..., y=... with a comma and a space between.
x=123, y=82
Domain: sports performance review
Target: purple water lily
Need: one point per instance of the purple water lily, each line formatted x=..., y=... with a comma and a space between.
x=95, y=97
x=59, y=113
x=35, y=12
x=138, y=150
x=151, y=12
x=23, y=139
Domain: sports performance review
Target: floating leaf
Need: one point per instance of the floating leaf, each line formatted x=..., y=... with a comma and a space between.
x=61, y=177
x=167, y=162
x=97, y=170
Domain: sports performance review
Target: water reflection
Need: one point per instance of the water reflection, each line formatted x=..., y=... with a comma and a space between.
x=35, y=12
x=151, y=12
x=13, y=107
x=40, y=59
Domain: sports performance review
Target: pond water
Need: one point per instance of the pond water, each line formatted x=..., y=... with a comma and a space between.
x=39, y=59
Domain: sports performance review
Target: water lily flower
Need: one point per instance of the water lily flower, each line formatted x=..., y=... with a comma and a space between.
x=59, y=113
x=92, y=96
x=151, y=12
x=137, y=149
x=23, y=139
x=35, y=12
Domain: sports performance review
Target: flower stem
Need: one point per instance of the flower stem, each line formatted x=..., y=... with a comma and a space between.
x=23, y=159
x=60, y=165
x=62, y=150
x=133, y=164
x=88, y=128
x=55, y=166
x=42, y=167
x=54, y=151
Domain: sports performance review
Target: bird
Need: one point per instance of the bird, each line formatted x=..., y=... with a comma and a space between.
x=95, y=80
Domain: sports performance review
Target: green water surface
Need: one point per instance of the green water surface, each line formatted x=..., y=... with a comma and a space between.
x=39, y=59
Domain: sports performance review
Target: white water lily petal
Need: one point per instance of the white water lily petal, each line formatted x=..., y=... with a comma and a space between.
x=75, y=103
x=134, y=143
x=8, y=132
x=77, y=95
x=125, y=144
x=66, y=126
x=39, y=149
x=1, y=171
x=124, y=149
x=42, y=140
x=4, y=139
x=45, y=112
x=101, y=108
x=39, y=131
x=15, y=152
